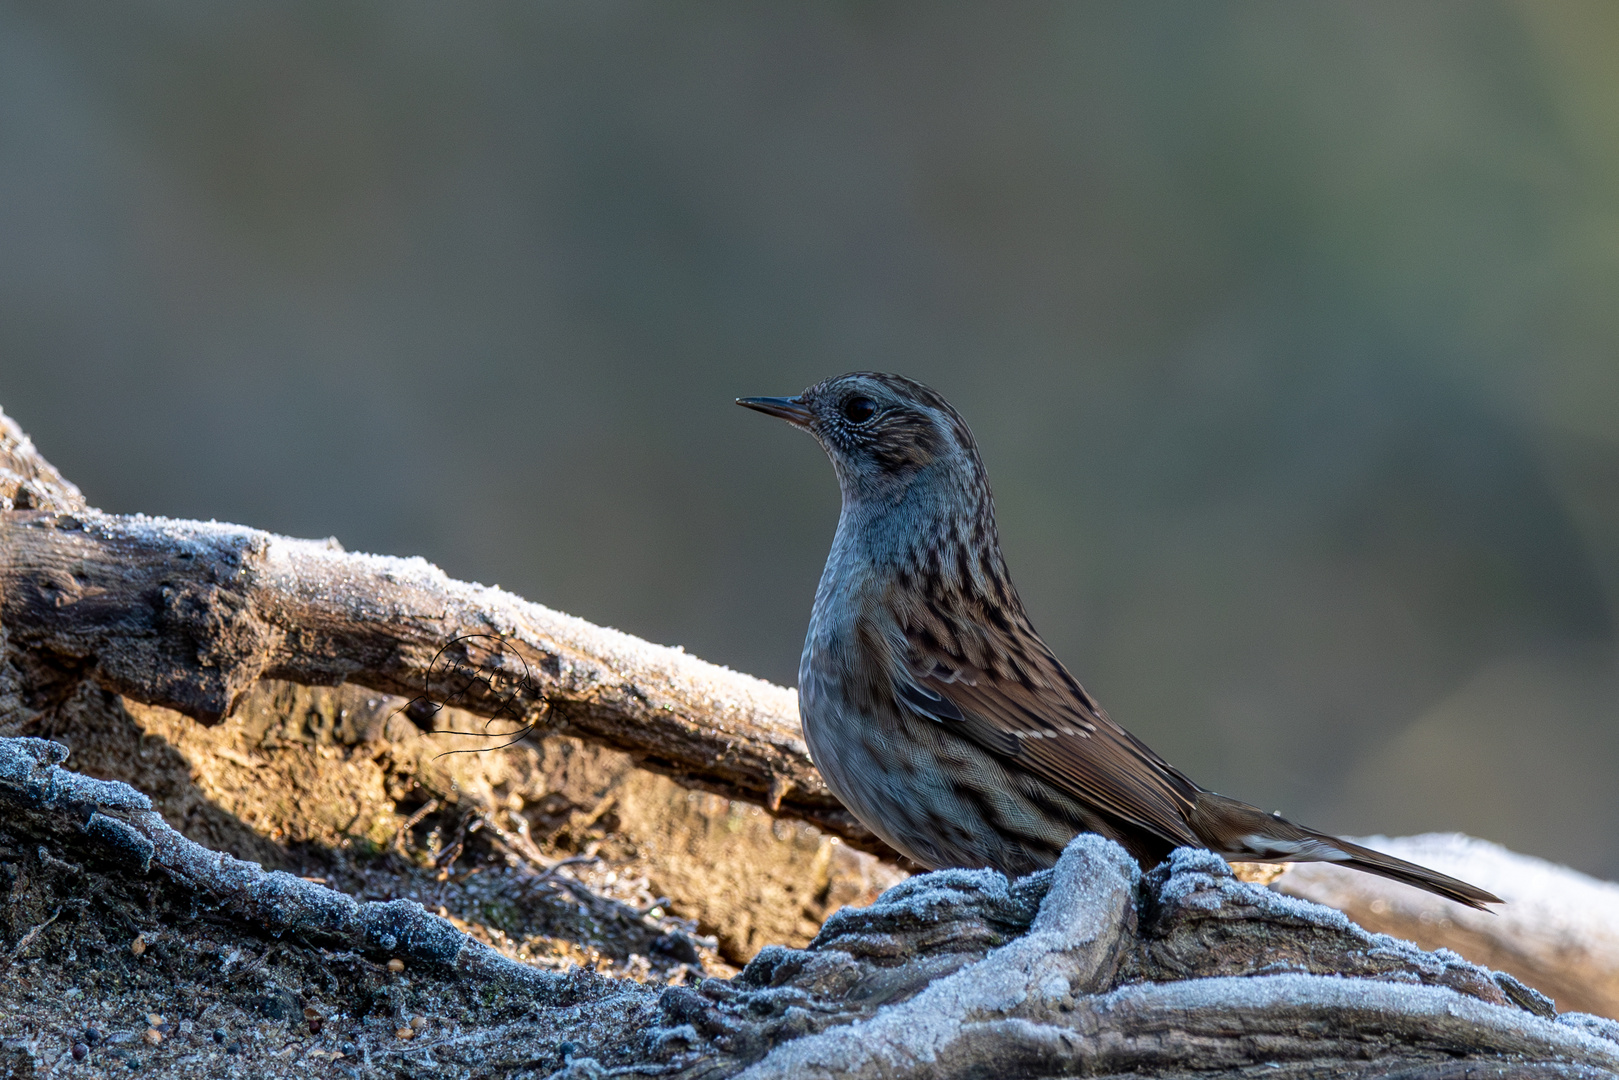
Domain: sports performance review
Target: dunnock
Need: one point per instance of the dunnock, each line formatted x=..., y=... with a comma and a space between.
x=934, y=710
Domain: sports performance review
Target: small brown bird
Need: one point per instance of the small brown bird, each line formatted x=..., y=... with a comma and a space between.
x=934, y=710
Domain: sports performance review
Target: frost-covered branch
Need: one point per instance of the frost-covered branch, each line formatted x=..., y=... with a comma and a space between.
x=189, y=615
x=1558, y=930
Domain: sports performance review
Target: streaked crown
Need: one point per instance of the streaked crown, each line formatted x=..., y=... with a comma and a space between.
x=882, y=431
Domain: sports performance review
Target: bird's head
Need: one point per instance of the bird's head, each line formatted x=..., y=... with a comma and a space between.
x=882, y=432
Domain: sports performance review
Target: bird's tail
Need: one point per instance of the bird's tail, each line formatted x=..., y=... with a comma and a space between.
x=1239, y=831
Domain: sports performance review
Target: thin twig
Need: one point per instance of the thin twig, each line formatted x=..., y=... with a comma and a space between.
x=411, y=822
x=27, y=940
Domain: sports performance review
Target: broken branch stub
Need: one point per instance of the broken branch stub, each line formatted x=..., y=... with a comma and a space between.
x=27, y=480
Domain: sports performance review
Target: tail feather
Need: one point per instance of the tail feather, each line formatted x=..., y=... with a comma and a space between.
x=1239, y=831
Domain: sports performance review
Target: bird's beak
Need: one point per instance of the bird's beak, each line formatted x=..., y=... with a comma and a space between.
x=790, y=409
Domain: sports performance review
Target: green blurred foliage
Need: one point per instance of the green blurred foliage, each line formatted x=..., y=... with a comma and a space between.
x=1290, y=332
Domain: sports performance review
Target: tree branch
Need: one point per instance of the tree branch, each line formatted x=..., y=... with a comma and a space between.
x=189, y=615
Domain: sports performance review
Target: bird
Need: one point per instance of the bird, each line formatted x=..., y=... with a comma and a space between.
x=934, y=710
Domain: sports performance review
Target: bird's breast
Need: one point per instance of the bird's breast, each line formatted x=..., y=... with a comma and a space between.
x=843, y=686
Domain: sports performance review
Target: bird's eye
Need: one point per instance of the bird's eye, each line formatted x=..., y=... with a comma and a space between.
x=858, y=410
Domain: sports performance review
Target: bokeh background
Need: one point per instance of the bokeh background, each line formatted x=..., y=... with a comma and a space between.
x=1290, y=333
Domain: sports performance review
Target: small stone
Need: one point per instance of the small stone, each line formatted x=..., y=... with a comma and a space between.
x=277, y=1003
x=396, y=965
x=679, y=947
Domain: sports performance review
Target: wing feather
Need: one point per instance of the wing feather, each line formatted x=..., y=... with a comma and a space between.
x=1017, y=700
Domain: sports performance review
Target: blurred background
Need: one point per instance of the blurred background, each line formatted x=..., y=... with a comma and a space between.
x=1290, y=334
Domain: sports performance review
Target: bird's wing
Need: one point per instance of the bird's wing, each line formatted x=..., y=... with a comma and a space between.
x=1005, y=691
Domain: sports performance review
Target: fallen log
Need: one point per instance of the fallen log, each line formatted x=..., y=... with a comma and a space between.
x=189, y=615
x=1089, y=969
